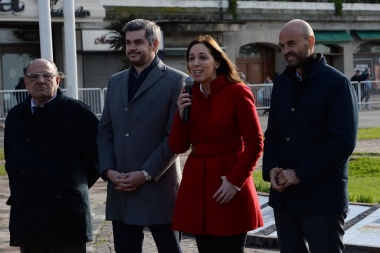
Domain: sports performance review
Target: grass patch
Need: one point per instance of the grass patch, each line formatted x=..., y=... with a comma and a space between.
x=361, y=198
x=261, y=185
x=368, y=133
x=2, y=168
x=363, y=178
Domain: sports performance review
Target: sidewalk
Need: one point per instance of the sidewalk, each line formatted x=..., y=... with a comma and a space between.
x=362, y=224
x=103, y=240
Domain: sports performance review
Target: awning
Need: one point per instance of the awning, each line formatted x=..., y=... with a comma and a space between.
x=332, y=37
x=368, y=35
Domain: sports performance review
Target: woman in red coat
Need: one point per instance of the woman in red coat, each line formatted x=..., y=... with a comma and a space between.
x=217, y=199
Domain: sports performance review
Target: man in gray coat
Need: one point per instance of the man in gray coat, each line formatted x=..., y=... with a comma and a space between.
x=134, y=157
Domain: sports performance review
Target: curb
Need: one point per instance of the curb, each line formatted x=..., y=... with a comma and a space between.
x=272, y=243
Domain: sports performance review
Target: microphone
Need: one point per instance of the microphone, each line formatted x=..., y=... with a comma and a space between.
x=189, y=81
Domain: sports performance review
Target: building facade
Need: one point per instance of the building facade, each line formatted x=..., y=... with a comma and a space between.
x=248, y=34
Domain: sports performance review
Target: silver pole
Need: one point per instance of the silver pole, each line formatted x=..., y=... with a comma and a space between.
x=70, y=49
x=46, y=44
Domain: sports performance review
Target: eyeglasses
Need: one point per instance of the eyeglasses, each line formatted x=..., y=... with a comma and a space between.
x=35, y=76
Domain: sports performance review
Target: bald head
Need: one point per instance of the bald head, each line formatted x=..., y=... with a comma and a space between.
x=297, y=42
x=42, y=80
x=300, y=26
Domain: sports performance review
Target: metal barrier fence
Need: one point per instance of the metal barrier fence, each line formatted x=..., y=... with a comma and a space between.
x=261, y=93
x=93, y=97
x=368, y=93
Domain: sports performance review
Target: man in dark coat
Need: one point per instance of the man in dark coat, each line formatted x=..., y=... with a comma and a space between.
x=51, y=161
x=311, y=133
x=355, y=81
x=21, y=95
x=357, y=77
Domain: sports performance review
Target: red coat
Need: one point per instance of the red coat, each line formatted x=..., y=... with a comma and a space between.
x=226, y=139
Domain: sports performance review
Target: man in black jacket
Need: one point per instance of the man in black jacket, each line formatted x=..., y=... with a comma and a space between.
x=357, y=77
x=51, y=161
x=355, y=80
x=311, y=134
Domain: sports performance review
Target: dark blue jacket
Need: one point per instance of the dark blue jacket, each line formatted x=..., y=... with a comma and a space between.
x=51, y=161
x=312, y=129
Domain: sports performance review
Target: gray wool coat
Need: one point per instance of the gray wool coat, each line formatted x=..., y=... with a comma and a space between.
x=133, y=136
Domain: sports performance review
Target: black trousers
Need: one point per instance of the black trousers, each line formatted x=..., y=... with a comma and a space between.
x=129, y=238
x=221, y=244
x=76, y=248
x=304, y=233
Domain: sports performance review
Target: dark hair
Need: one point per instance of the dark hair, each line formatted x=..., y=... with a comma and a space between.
x=226, y=67
x=152, y=31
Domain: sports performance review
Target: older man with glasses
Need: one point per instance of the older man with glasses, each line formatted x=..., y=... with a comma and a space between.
x=51, y=161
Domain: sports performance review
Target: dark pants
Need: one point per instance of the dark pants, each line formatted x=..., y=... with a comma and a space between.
x=129, y=238
x=366, y=95
x=76, y=248
x=317, y=233
x=221, y=244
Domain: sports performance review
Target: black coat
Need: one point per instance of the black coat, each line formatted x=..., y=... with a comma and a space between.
x=51, y=161
x=312, y=128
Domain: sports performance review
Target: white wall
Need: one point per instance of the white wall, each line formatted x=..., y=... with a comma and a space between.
x=241, y=4
x=166, y=3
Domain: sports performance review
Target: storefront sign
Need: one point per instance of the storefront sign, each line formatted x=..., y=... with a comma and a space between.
x=100, y=40
x=28, y=11
x=96, y=40
x=13, y=6
x=79, y=13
